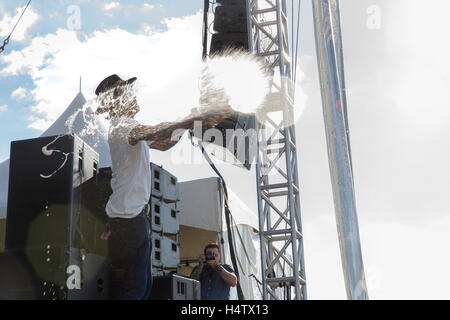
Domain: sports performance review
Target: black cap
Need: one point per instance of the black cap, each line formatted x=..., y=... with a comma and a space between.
x=108, y=82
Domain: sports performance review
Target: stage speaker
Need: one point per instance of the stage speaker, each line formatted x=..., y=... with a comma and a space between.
x=224, y=41
x=175, y=287
x=93, y=217
x=165, y=252
x=45, y=189
x=232, y=2
x=230, y=18
x=164, y=184
x=165, y=217
x=89, y=279
x=239, y=148
x=28, y=275
x=233, y=140
x=230, y=23
x=49, y=223
x=18, y=280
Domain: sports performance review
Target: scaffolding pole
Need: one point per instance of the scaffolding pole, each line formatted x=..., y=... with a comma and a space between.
x=331, y=71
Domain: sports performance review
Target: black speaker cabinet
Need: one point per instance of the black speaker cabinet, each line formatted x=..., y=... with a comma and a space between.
x=224, y=41
x=28, y=275
x=231, y=2
x=45, y=190
x=174, y=287
x=240, y=145
x=55, y=219
x=230, y=23
x=52, y=225
x=231, y=18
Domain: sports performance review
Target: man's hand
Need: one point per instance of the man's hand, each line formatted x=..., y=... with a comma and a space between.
x=197, y=271
x=212, y=263
x=201, y=260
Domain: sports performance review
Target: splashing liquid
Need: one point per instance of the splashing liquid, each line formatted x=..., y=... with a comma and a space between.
x=234, y=78
x=91, y=129
x=48, y=153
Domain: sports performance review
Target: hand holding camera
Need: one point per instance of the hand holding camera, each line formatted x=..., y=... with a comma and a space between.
x=212, y=262
x=208, y=259
x=201, y=260
x=210, y=256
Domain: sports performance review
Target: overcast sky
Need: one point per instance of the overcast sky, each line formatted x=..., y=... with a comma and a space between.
x=397, y=73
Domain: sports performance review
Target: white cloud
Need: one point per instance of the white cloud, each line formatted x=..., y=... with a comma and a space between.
x=38, y=54
x=3, y=108
x=19, y=93
x=53, y=15
x=148, y=6
x=29, y=18
x=167, y=65
x=148, y=29
x=167, y=73
x=111, y=6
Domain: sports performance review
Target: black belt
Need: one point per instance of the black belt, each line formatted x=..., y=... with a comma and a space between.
x=145, y=211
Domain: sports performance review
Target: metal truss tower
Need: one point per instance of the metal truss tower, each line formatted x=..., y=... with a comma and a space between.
x=281, y=237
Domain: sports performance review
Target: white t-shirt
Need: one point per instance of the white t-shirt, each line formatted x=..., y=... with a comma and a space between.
x=131, y=173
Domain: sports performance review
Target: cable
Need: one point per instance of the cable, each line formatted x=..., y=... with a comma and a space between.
x=205, y=29
x=292, y=40
x=209, y=28
x=234, y=243
x=242, y=242
x=213, y=6
x=297, y=37
x=227, y=218
x=258, y=282
x=6, y=41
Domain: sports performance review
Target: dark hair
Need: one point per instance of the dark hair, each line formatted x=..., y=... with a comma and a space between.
x=211, y=245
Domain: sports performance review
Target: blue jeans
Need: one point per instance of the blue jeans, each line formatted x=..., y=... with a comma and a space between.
x=130, y=247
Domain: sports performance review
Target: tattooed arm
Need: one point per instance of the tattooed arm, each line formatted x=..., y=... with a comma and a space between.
x=166, y=134
x=161, y=134
x=163, y=145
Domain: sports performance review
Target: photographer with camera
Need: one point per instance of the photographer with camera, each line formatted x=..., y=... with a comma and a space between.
x=215, y=278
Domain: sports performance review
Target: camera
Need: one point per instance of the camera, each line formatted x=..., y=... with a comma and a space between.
x=209, y=256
